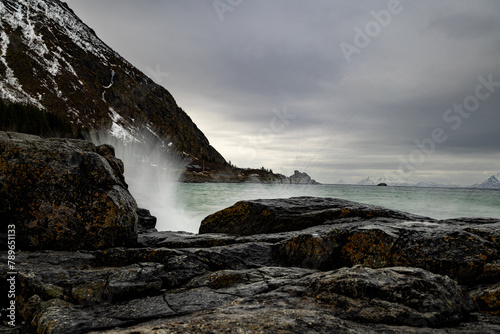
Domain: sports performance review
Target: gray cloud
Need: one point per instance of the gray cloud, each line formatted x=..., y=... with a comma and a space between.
x=352, y=119
x=465, y=26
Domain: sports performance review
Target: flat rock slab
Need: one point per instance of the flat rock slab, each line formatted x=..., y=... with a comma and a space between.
x=329, y=233
x=394, y=300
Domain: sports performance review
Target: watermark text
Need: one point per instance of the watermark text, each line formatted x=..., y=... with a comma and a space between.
x=11, y=274
x=222, y=7
x=453, y=116
x=373, y=28
x=277, y=124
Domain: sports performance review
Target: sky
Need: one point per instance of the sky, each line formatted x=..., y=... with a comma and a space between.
x=342, y=90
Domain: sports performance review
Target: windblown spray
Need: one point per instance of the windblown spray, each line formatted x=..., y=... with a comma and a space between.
x=152, y=171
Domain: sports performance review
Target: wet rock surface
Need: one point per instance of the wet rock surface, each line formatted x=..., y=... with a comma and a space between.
x=378, y=271
x=64, y=194
x=296, y=213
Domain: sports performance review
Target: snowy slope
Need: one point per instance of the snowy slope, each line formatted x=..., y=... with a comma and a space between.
x=49, y=58
x=493, y=182
x=22, y=15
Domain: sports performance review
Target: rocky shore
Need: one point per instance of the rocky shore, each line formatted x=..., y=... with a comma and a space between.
x=298, y=265
x=227, y=174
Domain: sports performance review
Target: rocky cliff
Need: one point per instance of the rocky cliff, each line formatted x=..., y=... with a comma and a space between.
x=50, y=59
x=64, y=194
x=298, y=265
x=301, y=178
x=230, y=174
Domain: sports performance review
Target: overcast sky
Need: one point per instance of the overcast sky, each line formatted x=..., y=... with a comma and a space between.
x=340, y=89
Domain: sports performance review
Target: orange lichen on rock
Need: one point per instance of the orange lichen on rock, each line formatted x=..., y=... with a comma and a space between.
x=62, y=194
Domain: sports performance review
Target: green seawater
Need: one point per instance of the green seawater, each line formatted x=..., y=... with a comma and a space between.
x=191, y=203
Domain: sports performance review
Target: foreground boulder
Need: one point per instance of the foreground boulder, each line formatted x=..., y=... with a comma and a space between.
x=329, y=233
x=64, y=194
x=297, y=213
x=397, y=295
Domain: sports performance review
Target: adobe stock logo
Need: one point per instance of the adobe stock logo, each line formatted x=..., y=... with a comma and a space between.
x=156, y=74
x=363, y=37
x=224, y=6
x=453, y=116
x=277, y=125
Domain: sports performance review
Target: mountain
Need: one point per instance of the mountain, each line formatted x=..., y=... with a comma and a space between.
x=50, y=59
x=492, y=183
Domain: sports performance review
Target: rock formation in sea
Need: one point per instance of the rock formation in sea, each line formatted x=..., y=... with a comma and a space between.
x=298, y=265
x=301, y=178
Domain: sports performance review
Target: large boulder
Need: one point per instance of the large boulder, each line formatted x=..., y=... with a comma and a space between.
x=64, y=194
x=397, y=296
x=292, y=214
x=463, y=251
x=328, y=233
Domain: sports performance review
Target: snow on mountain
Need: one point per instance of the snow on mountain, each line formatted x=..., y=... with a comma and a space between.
x=50, y=59
x=493, y=182
x=23, y=15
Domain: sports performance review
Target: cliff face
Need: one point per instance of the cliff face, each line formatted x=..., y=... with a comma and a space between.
x=49, y=58
x=246, y=175
x=64, y=194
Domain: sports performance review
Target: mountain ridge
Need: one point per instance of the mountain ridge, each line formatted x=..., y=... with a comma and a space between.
x=493, y=182
x=51, y=59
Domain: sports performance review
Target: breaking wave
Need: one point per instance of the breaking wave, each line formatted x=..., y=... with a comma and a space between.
x=152, y=171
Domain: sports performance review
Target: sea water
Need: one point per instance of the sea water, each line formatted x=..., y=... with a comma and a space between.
x=195, y=201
